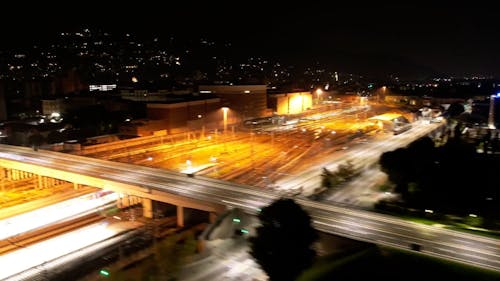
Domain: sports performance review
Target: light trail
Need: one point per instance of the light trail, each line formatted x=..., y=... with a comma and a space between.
x=54, y=213
x=16, y=262
x=386, y=230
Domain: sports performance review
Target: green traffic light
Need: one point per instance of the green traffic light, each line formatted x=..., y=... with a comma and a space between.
x=236, y=220
x=244, y=231
x=104, y=272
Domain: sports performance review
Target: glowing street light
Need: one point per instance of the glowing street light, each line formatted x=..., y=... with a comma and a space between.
x=104, y=272
x=224, y=111
x=318, y=95
x=491, y=113
x=384, y=89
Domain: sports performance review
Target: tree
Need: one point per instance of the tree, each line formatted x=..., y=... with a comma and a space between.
x=326, y=178
x=282, y=246
x=346, y=171
x=343, y=173
x=455, y=109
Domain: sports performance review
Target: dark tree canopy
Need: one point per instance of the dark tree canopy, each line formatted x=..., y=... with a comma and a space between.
x=451, y=179
x=455, y=109
x=35, y=139
x=282, y=246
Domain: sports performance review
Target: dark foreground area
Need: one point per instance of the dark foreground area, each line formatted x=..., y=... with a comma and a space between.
x=380, y=263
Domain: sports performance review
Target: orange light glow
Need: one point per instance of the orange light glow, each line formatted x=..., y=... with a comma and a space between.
x=386, y=116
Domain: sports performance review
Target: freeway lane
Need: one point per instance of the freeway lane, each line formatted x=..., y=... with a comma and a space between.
x=352, y=223
x=389, y=231
x=360, y=155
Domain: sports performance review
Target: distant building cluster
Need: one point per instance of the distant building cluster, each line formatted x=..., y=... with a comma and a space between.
x=86, y=83
x=97, y=61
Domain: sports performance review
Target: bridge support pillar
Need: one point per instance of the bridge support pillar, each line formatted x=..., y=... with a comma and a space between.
x=212, y=217
x=3, y=177
x=40, y=182
x=180, y=216
x=147, y=208
x=119, y=201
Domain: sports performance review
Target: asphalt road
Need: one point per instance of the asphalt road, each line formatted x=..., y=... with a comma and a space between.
x=352, y=223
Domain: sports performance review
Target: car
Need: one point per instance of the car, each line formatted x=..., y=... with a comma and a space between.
x=415, y=247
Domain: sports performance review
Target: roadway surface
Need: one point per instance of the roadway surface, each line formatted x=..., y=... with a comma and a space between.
x=351, y=223
x=229, y=260
x=362, y=155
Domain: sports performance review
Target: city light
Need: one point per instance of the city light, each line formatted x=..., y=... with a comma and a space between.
x=319, y=92
x=224, y=110
x=37, y=254
x=160, y=147
x=296, y=104
x=64, y=210
x=104, y=272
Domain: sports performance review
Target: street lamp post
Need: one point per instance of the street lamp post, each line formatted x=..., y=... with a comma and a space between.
x=224, y=111
x=384, y=88
x=202, y=134
x=318, y=94
x=491, y=113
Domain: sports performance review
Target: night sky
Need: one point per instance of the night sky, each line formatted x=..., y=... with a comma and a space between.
x=456, y=39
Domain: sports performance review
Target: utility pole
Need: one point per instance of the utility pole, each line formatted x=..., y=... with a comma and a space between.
x=491, y=114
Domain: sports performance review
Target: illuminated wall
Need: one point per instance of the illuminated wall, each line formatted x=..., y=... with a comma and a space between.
x=176, y=115
x=293, y=103
x=247, y=101
x=52, y=106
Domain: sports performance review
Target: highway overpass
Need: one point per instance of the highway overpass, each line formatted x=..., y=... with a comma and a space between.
x=215, y=196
